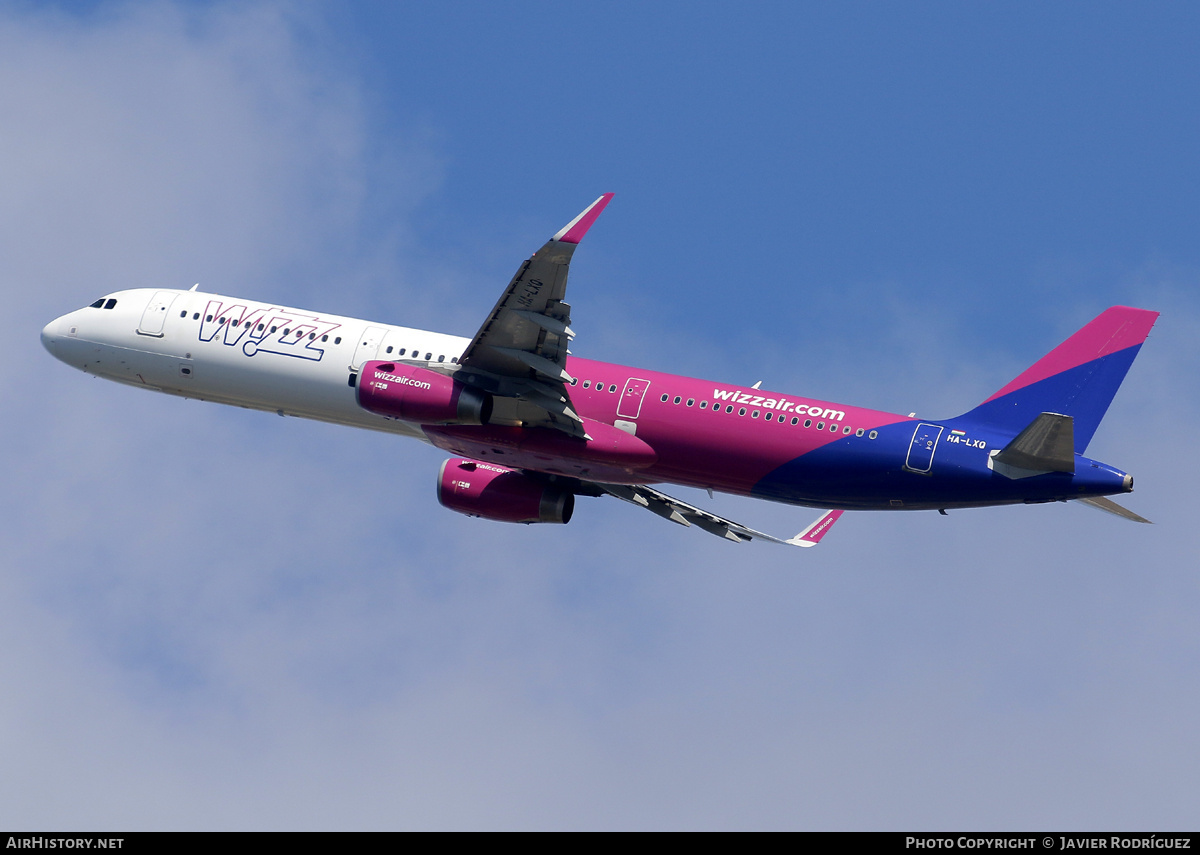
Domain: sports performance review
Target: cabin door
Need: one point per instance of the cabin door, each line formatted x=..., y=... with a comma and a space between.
x=920, y=452
x=368, y=345
x=156, y=314
x=631, y=399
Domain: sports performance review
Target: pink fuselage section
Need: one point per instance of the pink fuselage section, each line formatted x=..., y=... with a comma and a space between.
x=680, y=430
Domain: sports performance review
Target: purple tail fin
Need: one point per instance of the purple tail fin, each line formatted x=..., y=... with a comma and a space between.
x=1078, y=378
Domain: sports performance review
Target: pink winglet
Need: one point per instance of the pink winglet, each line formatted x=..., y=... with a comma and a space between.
x=574, y=231
x=812, y=535
x=1112, y=330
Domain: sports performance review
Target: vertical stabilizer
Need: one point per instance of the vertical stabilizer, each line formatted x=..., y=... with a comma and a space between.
x=1078, y=378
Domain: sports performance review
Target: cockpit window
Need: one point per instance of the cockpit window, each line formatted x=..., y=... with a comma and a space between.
x=99, y=304
x=112, y=301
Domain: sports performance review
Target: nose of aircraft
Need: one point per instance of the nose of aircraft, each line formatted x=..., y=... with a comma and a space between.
x=50, y=336
x=55, y=337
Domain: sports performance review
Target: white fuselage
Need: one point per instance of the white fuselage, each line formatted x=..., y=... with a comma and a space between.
x=236, y=351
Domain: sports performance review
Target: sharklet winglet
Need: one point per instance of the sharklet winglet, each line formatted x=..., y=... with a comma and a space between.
x=574, y=231
x=812, y=535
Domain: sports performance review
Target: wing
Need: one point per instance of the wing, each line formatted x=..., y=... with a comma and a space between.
x=681, y=512
x=520, y=352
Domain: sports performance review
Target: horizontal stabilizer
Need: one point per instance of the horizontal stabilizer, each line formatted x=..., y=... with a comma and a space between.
x=1109, y=506
x=1047, y=444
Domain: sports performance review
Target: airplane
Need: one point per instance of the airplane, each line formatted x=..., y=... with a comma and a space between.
x=532, y=427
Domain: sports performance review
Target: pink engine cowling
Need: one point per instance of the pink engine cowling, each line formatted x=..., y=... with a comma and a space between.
x=419, y=395
x=498, y=493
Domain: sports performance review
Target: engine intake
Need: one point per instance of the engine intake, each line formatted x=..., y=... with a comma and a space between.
x=498, y=493
x=419, y=395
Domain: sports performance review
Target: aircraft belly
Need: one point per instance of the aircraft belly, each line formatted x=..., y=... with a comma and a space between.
x=609, y=455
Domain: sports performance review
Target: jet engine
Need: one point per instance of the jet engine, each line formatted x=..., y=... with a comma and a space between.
x=419, y=395
x=498, y=493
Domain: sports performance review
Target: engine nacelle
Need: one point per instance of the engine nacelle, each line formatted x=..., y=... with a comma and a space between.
x=498, y=493
x=419, y=395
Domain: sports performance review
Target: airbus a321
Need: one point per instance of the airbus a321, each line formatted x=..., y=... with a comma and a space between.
x=531, y=426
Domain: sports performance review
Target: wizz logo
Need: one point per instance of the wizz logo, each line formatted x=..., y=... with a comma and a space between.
x=265, y=330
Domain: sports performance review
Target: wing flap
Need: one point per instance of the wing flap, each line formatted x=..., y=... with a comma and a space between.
x=540, y=364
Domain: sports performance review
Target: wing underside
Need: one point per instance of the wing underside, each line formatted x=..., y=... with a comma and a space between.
x=519, y=354
x=682, y=513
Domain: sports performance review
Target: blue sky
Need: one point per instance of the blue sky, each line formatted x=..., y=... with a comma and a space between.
x=211, y=618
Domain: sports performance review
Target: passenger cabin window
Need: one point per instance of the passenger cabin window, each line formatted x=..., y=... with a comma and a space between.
x=665, y=398
x=338, y=340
